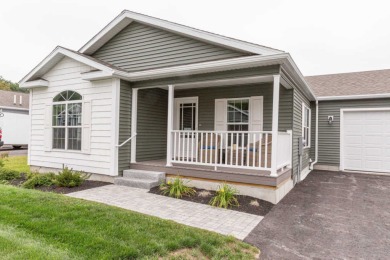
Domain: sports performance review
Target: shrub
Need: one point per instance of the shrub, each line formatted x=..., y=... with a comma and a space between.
x=8, y=175
x=4, y=182
x=225, y=197
x=70, y=178
x=38, y=179
x=176, y=188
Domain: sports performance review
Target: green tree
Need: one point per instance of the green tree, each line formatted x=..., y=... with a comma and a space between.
x=10, y=86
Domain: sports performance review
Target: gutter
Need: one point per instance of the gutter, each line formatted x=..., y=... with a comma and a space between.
x=350, y=97
x=316, y=141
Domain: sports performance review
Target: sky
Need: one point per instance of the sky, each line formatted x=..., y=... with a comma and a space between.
x=323, y=37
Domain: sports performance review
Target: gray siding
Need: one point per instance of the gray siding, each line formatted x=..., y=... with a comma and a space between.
x=152, y=124
x=207, y=98
x=124, y=126
x=141, y=47
x=329, y=135
x=270, y=70
x=297, y=130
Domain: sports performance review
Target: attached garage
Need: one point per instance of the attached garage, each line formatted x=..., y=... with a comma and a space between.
x=365, y=140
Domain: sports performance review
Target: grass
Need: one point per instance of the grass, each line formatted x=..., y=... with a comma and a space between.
x=17, y=163
x=38, y=225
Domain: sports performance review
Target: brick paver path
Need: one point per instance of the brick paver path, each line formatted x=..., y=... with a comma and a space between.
x=227, y=222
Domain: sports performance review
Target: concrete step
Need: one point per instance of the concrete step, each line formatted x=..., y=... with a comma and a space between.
x=141, y=174
x=136, y=183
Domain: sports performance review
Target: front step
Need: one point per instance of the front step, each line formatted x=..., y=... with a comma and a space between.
x=140, y=179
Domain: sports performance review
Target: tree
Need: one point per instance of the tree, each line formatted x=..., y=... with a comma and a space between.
x=10, y=86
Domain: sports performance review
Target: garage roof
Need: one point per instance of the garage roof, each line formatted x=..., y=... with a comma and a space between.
x=351, y=84
x=7, y=99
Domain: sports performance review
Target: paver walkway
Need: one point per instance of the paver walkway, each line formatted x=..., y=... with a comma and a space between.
x=226, y=222
x=330, y=215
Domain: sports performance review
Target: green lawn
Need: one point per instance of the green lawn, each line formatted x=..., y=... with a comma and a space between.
x=38, y=225
x=17, y=163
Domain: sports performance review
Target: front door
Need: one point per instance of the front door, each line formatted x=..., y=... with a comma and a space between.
x=186, y=119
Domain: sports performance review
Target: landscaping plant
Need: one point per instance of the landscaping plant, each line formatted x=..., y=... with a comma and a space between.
x=39, y=179
x=70, y=178
x=8, y=175
x=225, y=197
x=176, y=188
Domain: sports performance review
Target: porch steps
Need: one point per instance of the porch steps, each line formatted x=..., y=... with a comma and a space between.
x=140, y=179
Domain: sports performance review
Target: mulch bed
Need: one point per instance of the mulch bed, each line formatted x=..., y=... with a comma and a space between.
x=244, y=201
x=62, y=190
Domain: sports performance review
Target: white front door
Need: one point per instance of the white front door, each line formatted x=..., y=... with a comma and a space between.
x=186, y=119
x=365, y=140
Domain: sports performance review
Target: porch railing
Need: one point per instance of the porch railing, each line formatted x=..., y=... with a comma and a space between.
x=237, y=149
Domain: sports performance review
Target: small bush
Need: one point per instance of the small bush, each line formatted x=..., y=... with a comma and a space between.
x=4, y=182
x=70, y=178
x=225, y=197
x=176, y=188
x=8, y=175
x=38, y=179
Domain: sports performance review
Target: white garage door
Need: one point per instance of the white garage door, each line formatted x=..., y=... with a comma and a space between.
x=366, y=141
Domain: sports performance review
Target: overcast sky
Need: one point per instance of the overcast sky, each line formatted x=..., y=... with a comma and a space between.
x=322, y=36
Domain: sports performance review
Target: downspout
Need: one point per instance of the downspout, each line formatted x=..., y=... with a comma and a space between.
x=316, y=140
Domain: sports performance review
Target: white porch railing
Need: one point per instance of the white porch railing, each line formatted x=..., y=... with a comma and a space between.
x=237, y=149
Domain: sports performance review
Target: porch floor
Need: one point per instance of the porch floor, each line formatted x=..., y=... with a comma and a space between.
x=246, y=176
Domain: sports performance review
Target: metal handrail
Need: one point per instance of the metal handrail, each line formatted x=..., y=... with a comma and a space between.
x=122, y=144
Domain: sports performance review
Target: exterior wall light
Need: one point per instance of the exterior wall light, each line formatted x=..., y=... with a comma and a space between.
x=330, y=120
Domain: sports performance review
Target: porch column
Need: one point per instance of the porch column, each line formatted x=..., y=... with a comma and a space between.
x=134, y=107
x=275, y=124
x=171, y=96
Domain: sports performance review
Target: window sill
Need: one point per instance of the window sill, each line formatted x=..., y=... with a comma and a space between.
x=66, y=151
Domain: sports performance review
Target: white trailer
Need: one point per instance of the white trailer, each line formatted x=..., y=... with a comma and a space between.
x=15, y=126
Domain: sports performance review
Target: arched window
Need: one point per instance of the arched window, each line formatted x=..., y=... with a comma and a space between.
x=67, y=110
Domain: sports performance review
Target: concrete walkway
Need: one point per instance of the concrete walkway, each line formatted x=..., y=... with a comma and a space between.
x=330, y=215
x=226, y=222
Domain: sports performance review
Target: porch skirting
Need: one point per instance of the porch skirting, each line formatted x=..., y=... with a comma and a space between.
x=267, y=193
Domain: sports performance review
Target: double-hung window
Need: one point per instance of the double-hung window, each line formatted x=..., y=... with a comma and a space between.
x=238, y=114
x=306, y=123
x=66, y=121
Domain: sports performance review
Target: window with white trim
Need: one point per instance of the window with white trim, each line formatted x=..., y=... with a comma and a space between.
x=66, y=121
x=238, y=114
x=306, y=123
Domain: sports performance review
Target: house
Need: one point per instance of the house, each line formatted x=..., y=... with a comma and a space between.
x=14, y=118
x=147, y=95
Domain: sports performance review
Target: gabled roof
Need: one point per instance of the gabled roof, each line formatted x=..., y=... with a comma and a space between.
x=60, y=52
x=376, y=82
x=126, y=17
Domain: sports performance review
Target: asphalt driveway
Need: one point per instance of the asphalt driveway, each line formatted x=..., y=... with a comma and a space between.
x=330, y=215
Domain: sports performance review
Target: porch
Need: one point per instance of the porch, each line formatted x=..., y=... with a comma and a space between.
x=191, y=129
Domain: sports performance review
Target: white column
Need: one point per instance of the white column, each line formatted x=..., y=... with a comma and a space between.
x=275, y=124
x=171, y=97
x=134, y=107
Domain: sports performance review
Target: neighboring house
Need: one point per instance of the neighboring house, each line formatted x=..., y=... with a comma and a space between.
x=149, y=94
x=358, y=138
x=14, y=118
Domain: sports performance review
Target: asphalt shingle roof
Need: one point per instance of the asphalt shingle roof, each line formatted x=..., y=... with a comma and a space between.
x=7, y=99
x=354, y=83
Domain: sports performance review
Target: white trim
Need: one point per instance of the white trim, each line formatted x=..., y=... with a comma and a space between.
x=53, y=58
x=115, y=126
x=304, y=106
x=179, y=101
x=316, y=139
x=14, y=108
x=342, y=110
x=349, y=97
x=275, y=124
x=30, y=130
x=126, y=17
x=171, y=103
x=39, y=83
x=134, y=111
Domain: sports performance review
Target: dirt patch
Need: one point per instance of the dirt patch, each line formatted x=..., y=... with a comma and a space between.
x=246, y=203
x=65, y=190
x=62, y=190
